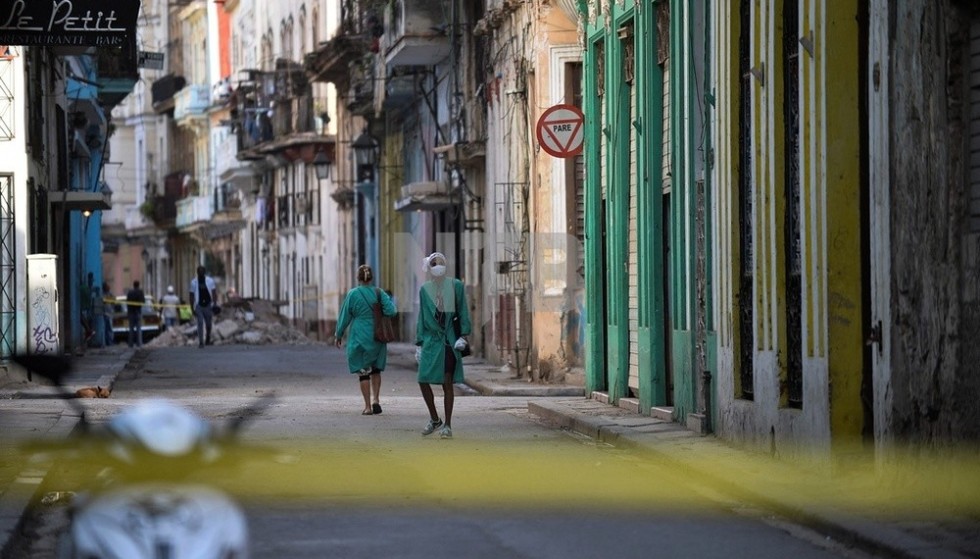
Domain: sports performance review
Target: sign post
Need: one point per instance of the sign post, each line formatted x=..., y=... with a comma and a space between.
x=560, y=131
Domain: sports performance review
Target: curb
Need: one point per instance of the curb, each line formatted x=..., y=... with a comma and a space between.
x=868, y=535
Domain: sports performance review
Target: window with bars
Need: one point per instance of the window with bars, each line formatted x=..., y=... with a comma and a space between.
x=746, y=316
x=8, y=267
x=791, y=165
x=626, y=37
x=575, y=183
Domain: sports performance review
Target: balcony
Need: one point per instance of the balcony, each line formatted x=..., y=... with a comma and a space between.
x=293, y=116
x=289, y=131
x=413, y=35
x=164, y=90
x=399, y=91
x=289, y=80
x=298, y=209
x=360, y=97
x=427, y=196
x=227, y=212
x=191, y=104
x=117, y=74
x=360, y=28
x=231, y=170
x=193, y=212
x=161, y=209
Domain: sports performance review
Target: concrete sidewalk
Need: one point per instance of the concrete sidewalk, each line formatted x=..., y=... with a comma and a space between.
x=32, y=409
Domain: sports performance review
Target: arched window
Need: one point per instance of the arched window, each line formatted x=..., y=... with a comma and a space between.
x=315, y=22
x=283, y=41
x=302, y=30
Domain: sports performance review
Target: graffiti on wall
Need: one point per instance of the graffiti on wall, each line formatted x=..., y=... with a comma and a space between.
x=43, y=335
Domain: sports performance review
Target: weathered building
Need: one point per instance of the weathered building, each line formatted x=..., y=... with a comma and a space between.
x=54, y=127
x=533, y=268
x=841, y=192
x=922, y=83
x=647, y=229
x=786, y=186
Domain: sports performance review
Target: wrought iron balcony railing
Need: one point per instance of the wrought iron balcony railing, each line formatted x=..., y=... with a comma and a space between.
x=298, y=209
x=293, y=116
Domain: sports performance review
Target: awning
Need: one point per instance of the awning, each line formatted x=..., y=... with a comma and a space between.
x=81, y=201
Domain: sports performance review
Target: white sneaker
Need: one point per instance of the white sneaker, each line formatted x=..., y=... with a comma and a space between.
x=446, y=433
x=431, y=426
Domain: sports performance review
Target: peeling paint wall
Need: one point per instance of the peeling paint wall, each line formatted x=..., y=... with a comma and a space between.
x=934, y=265
x=828, y=245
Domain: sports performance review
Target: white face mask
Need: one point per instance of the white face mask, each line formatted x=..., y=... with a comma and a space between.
x=438, y=270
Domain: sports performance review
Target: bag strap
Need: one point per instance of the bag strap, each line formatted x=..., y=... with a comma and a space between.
x=370, y=305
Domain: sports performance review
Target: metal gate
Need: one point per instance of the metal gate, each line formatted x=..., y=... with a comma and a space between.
x=511, y=319
x=8, y=283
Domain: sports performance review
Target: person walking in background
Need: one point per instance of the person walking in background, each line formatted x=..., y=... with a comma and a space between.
x=203, y=298
x=366, y=357
x=135, y=299
x=86, y=297
x=441, y=301
x=170, y=302
x=107, y=303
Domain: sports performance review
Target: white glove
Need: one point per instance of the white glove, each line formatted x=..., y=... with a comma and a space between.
x=460, y=344
x=418, y=354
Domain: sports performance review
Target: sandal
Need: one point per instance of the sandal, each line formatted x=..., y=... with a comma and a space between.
x=376, y=408
x=367, y=412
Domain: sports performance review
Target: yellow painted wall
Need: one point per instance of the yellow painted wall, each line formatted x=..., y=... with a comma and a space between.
x=830, y=225
x=845, y=324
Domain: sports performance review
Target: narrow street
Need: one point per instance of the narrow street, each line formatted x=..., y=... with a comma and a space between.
x=342, y=484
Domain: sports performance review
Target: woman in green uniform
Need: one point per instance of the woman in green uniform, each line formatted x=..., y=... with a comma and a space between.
x=441, y=301
x=366, y=357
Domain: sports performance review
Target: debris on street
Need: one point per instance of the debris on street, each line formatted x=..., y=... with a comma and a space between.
x=241, y=321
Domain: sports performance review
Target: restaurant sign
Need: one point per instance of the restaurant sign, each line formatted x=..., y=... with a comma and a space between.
x=52, y=23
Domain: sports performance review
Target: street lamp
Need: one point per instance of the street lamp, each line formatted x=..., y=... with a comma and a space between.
x=366, y=150
x=321, y=163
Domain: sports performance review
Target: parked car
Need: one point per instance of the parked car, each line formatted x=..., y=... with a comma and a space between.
x=152, y=319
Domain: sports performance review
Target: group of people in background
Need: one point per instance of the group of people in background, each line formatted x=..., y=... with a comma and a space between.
x=440, y=338
x=204, y=304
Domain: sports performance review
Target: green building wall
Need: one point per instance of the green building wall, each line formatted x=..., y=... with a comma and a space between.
x=607, y=330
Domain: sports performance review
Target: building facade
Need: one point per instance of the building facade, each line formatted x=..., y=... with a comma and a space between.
x=54, y=184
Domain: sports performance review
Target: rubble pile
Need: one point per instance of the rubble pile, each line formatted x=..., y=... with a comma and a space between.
x=252, y=322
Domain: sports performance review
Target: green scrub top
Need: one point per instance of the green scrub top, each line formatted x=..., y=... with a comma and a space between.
x=363, y=352
x=437, y=337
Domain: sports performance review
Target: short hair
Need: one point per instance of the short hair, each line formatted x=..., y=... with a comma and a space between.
x=201, y=270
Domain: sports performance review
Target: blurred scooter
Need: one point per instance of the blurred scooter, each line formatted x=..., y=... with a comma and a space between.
x=145, y=506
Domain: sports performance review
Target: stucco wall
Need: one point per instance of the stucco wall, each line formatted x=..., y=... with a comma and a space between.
x=555, y=43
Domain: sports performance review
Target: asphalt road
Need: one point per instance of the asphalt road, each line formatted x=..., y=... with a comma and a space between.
x=330, y=482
